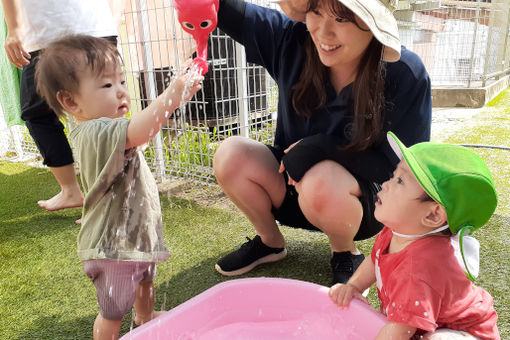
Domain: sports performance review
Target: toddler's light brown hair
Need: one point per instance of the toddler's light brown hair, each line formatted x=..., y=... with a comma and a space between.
x=60, y=63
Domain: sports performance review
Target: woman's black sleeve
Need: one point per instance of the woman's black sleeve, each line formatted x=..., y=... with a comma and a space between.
x=231, y=17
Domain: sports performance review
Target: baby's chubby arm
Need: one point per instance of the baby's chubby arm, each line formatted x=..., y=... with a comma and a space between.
x=144, y=125
x=363, y=278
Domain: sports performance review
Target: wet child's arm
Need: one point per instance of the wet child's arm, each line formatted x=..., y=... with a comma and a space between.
x=363, y=278
x=144, y=125
x=396, y=331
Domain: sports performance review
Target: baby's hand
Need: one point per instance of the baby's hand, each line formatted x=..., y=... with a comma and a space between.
x=192, y=79
x=342, y=294
x=187, y=83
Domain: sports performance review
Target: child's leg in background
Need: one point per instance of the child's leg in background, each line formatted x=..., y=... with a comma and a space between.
x=144, y=303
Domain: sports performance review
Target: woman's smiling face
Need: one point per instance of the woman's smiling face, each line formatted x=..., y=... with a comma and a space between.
x=339, y=41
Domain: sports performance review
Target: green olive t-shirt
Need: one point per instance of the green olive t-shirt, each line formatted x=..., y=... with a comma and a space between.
x=121, y=211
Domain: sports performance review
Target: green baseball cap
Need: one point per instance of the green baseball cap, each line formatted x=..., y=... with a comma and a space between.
x=455, y=177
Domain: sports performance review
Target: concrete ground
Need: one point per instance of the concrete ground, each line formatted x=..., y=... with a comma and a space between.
x=446, y=121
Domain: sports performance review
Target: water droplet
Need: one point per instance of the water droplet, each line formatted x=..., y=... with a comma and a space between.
x=425, y=314
x=170, y=101
x=157, y=119
x=110, y=291
x=417, y=303
x=393, y=304
x=167, y=113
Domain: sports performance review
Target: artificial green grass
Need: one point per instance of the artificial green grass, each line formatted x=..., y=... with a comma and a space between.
x=493, y=129
x=44, y=293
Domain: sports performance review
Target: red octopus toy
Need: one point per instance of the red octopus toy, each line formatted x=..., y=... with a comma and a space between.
x=198, y=18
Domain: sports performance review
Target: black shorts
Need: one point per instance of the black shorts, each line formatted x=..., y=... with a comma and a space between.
x=290, y=213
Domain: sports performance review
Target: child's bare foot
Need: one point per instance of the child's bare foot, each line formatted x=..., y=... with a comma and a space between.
x=62, y=201
x=141, y=319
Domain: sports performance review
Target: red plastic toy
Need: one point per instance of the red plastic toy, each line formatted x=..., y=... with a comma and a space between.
x=198, y=18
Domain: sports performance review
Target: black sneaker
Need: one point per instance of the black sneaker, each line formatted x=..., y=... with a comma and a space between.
x=344, y=264
x=250, y=255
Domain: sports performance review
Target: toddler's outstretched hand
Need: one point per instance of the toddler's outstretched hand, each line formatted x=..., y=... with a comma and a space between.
x=149, y=121
x=187, y=83
x=342, y=294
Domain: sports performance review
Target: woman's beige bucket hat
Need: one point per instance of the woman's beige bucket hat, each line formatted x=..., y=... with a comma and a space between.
x=376, y=14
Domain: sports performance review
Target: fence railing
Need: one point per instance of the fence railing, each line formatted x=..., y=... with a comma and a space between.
x=462, y=43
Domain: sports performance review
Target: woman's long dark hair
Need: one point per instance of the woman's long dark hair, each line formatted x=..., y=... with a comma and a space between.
x=309, y=92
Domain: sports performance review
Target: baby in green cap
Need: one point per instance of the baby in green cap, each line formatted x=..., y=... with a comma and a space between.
x=421, y=261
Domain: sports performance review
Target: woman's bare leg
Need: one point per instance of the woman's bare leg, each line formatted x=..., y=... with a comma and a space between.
x=328, y=197
x=70, y=195
x=247, y=172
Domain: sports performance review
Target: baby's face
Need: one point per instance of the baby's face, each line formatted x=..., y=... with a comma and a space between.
x=102, y=95
x=399, y=205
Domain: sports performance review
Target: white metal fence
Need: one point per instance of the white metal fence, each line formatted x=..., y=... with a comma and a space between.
x=462, y=43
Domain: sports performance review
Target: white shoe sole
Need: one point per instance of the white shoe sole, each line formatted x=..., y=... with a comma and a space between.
x=269, y=258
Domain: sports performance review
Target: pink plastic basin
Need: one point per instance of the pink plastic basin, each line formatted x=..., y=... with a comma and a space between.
x=263, y=309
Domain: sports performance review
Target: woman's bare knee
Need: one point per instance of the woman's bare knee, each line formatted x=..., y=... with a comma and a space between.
x=327, y=182
x=229, y=157
x=328, y=194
